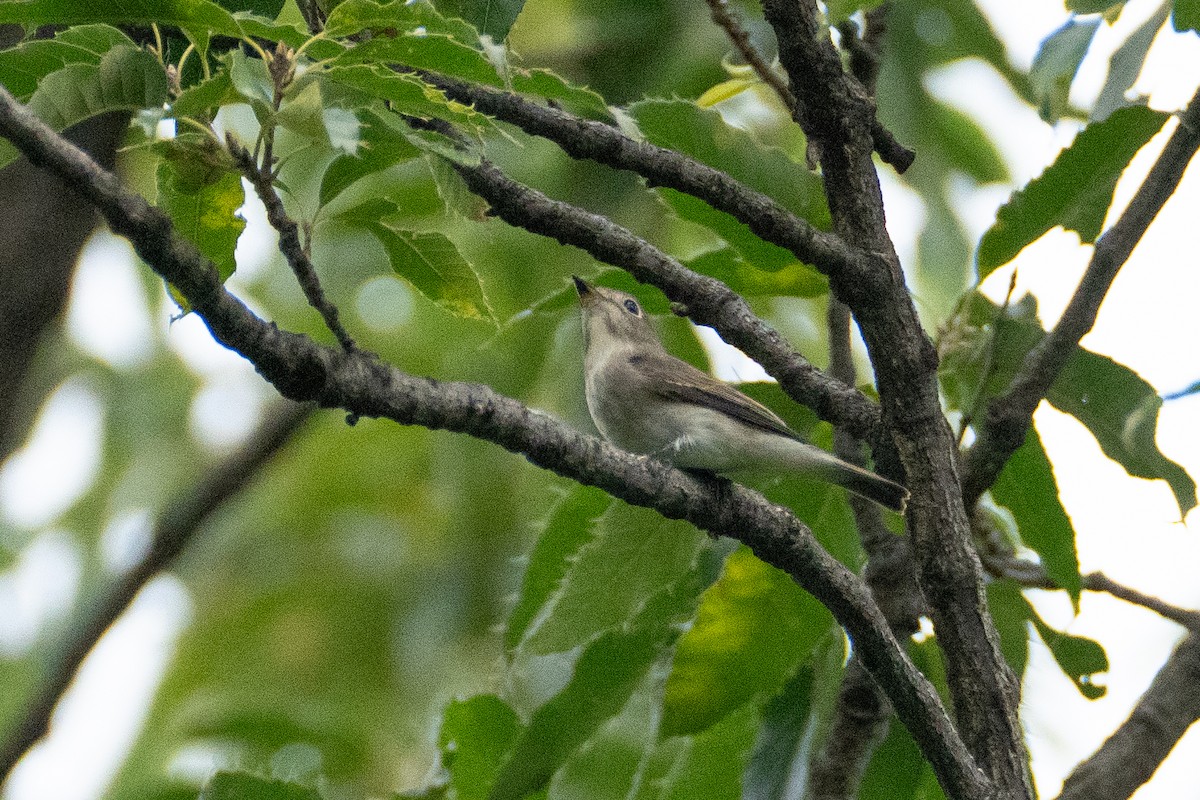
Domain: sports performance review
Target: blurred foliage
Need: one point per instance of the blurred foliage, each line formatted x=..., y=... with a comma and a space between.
x=372, y=573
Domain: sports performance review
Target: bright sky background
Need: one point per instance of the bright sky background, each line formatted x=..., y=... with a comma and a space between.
x=1127, y=527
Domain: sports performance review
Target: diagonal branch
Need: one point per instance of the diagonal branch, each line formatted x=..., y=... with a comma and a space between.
x=182, y=518
x=728, y=22
x=708, y=301
x=1162, y=715
x=581, y=138
x=1009, y=416
x=838, y=118
x=301, y=369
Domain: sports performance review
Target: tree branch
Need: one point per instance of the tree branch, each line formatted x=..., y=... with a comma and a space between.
x=1010, y=415
x=1162, y=715
x=726, y=20
x=838, y=117
x=708, y=301
x=182, y=517
x=295, y=253
x=302, y=369
x=580, y=138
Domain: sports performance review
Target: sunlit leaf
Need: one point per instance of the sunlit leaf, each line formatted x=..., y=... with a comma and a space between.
x=753, y=627
x=202, y=200
x=1075, y=191
x=476, y=736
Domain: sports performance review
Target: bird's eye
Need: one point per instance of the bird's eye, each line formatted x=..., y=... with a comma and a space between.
x=632, y=307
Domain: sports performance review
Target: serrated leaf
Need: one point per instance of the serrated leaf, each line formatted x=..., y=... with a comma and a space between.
x=1027, y=488
x=244, y=786
x=424, y=50
x=492, y=17
x=381, y=147
x=1056, y=63
x=203, y=209
x=1075, y=191
x=475, y=738
x=209, y=94
x=1126, y=64
x=548, y=85
x=711, y=765
x=1111, y=400
x=702, y=134
x=607, y=673
x=125, y=79
x=1080, y=659
x=355, y=16
x=23, y=67
x=632, y=553
x=794, y=280
x=1185, y=15
x=753, y=627
x=567, y=530
x=405, y=94
x=429, y=261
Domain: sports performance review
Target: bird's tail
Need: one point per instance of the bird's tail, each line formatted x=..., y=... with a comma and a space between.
x=865, y=483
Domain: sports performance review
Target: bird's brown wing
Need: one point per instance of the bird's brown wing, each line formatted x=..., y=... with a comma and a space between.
x=686, y=384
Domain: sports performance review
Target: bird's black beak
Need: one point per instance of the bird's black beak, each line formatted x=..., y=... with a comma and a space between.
x=583, y=287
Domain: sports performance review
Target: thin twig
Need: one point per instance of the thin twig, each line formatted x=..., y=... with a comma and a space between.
x=303, y=369
x=293, y=250
x=725, y=18
x=1009, y=415
x=178, y=524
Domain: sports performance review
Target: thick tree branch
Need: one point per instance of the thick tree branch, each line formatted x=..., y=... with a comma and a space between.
x=1162, y=715
x=581, y=138
x=838, y=118
x=183, y=516
x=708, y=301
x=1009, y=416
x=294, y=252
x=302, y=369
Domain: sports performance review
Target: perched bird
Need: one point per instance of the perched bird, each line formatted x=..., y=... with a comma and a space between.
x=645, y=400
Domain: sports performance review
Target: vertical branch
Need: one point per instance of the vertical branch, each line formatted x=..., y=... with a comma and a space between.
x=839, y=118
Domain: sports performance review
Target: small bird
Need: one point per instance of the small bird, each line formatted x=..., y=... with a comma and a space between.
x=645, y=400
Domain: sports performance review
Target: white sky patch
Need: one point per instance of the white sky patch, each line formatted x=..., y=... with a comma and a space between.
x=102, y=712
x=37, y=590
x=59, y=461
x=108, y=317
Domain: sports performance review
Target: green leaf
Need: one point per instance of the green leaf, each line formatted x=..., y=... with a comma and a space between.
x=1080, y=659
x=243, y=786
x=1027, y=488
x=548, y=85
x=568, y=529
x=1126, y=64
x=492, y=17
x=476, y=736
x=1010, y=611
x=1094, y=6
x=429, y=261
x=203, y=97
x=778, y=741
x=23, y=67
x=432, y=51
x=1185, y=15
x=125, y=79
x=1113, y=401
x=841, y=10
x=960, y=133
x=202, y=201
x=355, y=16
x=1075, y=191
x=607, y=673
x=753, y=627
x=794, y=280
x=631, y=554
x=382, y=147
x=1056, y=63
x=702, y=134
x=711, y=765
